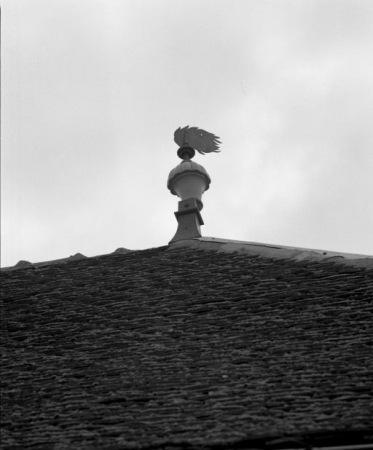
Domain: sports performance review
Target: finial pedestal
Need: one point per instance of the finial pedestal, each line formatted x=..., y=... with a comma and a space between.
x=189, y=220
x=188, y=181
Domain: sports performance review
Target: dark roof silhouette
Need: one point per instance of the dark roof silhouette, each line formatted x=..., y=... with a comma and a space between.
x=187, y=346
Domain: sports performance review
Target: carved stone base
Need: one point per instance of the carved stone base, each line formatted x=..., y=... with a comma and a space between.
x=189, y=219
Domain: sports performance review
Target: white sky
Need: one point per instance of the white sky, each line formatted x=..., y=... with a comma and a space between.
x=93, y=90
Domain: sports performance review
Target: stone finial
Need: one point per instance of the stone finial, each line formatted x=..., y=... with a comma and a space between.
x=189, y=180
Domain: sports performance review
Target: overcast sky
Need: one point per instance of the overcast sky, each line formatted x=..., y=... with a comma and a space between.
x=93, y=90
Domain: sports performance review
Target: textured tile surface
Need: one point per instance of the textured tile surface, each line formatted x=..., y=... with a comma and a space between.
x=183, y=345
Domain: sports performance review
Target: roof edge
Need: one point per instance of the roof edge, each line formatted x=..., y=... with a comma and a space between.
x=25, y=264
x=276, y=251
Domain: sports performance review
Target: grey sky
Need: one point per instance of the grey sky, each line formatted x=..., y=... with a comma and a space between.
x=92, y=91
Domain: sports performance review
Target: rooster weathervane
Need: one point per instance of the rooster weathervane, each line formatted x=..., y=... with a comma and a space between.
x=194, y=138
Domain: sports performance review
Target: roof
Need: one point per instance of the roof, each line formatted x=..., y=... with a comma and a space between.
x=200, y=343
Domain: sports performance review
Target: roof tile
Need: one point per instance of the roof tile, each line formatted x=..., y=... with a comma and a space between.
x=180, y=344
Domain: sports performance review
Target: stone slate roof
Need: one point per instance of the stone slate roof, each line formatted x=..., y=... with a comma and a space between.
x=180, y=346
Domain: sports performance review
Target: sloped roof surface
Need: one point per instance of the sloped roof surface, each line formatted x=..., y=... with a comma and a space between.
x=179, y=344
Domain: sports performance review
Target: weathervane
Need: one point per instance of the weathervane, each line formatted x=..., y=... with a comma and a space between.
x=190, y=139
x=189, y=180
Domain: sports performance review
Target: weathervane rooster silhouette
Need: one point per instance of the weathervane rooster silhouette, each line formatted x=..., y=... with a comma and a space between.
x=200, y=140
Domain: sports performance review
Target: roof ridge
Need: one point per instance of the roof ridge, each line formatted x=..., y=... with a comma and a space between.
x=22, y=264
x=276, y=251
x=228, y=246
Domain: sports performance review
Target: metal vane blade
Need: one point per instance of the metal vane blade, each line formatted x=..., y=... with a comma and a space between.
x=200, y=140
